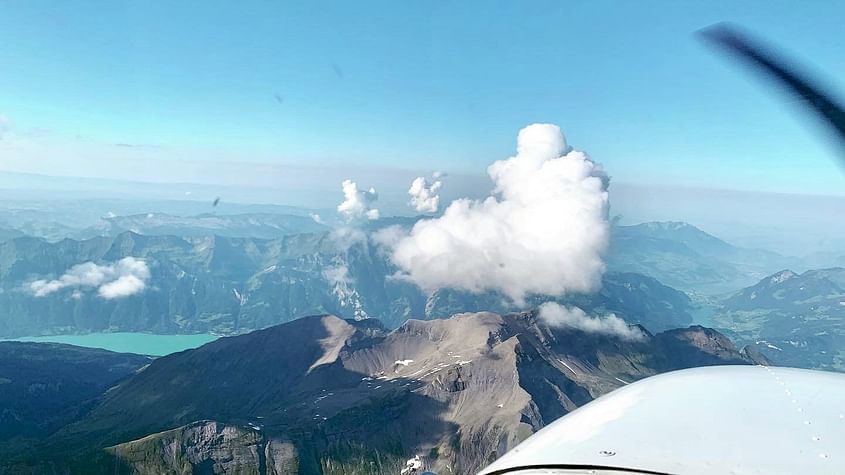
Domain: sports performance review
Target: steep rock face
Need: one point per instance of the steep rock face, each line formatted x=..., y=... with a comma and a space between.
x=352, y=397
x=207, y=447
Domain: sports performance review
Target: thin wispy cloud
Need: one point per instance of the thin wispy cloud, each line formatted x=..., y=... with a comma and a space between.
x=557, y=315
x=137, y=145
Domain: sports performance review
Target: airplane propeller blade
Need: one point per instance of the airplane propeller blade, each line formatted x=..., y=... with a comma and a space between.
x=765, y=61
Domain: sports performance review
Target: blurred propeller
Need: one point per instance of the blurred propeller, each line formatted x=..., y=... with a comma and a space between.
x=765, y=61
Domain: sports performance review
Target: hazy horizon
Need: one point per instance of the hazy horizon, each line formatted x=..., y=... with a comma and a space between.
x=789, y=223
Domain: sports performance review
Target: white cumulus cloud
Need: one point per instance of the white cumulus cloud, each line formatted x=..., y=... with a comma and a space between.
x=357, y=204
x=123, y=278
x=424, y=197
x=542, y=231
x=557, y=315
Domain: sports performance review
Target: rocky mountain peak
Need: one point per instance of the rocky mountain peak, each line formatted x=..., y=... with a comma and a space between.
x=459, y=391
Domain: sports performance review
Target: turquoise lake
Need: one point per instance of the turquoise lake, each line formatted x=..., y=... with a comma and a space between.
x=141, y=343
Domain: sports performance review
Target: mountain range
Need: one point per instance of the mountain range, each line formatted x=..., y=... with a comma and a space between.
x=795, y=319
x=253, y=225
x=323, y=395
x=329, y=364
x=230, y=285
x=687, y=258
x=203, y=282
x=64, y=217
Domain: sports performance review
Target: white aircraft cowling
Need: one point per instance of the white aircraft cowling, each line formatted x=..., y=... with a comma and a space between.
x=711, y=420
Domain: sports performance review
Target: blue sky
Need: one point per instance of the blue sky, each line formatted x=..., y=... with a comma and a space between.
x=367, y=86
